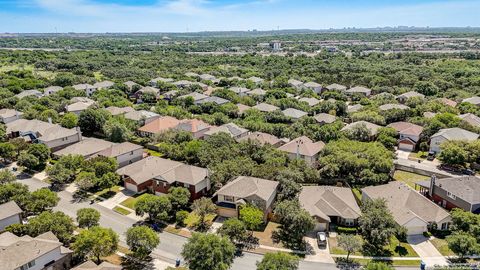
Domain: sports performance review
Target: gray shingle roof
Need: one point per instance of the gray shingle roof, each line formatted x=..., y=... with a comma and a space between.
x=89, y=265
x=262, y=138
x=325, y=118
x=386, y=107
x=9, y=209
x=229, y=128
x=265, y=107
x=470, y=118
x=456, y=134
x=472, y=100
x=45, y=131
x=119, y=110
x=27, y=93
x=85, y=148
x=466, y=188
x=410, y=94
x=303, y=145
x=310, y=101
x=336, y=87
x=245, y=186
x=119, y=149
x=294, y=113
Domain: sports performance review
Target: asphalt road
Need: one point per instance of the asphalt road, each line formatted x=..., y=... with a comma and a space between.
x=170, y=245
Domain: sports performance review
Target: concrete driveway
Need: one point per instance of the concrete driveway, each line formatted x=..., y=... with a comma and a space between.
x=401, y=154
x=426, y=251
x=317, y=254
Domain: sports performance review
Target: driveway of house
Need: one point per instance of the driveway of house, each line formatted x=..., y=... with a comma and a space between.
x=402, y=154
x=426, y=251
x=317, y=254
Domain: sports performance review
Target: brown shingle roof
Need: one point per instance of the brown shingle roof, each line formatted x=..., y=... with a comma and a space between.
x=262, y=138
x=246, y=186
x=9, y=209
x=160, y=124
x=303, y=145
x=119, y=149
x=407, y=128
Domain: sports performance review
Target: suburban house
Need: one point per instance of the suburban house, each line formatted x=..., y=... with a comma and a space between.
x=472, y=100
x=79, y=106
x=359, y=90
x=213, y=99
x=125, y=153
x=295, y=83
x=471, y=119
x=246, y=190
x=10, y=214
x=158, y=125
x=354, y=108
x=450, y=134
x=9, y=115
x=28, y=93
x=103, y=85
x=154, y=82
x=408, y=135
x=409, y=208
x=157, y=175
x=143, y=117
x=456, y=192
x=411, y=94
x=303, y=148
x=330, y=205
x=446, y=101
x=336, y=87
x=231, y=129
x=242, y=108
x=43, y=252
x=373, y=128
x=265, y=107
x=52, y=135
x=196, y=127
x=241, y=91
x=325, y=118
x=131, y=84
x=391, y=106
x=263, y=138
x=89, y=265
x=119, y=110
x=195, y=96
x=87, y=88
x=85, y=148
x=294, y=113
x=257, y=92
x=170, y=94
x=315, y=87
x=310, y=101
x=256, y=80
x=51, y=90
x=146, y=90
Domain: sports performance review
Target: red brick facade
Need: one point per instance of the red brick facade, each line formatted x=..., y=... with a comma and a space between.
x=163, y=187
x=439, y=200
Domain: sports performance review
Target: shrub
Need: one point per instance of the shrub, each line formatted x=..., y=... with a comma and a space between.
x=346, y=230
x=180, y=217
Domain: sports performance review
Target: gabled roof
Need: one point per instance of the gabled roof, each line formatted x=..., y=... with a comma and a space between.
x=165, y=80
x=336, y=87
x=26, y=93
x=45, y=131
x=213, y=99
x=119, y=149
x=294, y=113
x=303, y=146
x=456, y=134
x=78, y=106
x=329, y=201
x=193, y=125
x=470, y=118
x=312, y=85
x=148, y=89
x=262, y=138
x=257, y=92
x=325, y=118
x=295, y=83
x=139, y=115
x=9, y=209
x=406, y=203
x=207, y=77
x=103, y=84
x=410, y=94
x=89, y=265
x=354, y=108
x=386, y=107
x=195, y=95
x=472, y=100
x=85, y=147
x=6, y=113
x=359, y=89
x=160, y=124
x=130, y=84
x=466, y=188
x=239, y=90
x=310, y=101
x=370, y=126
x=119, y=110
x=246, y=186
x=447, y=102
x=230, y=128
x=242, y=108
x=163, y=169
x=407, y=128
x=53, y=89
x=255, y=79
x=265, y=107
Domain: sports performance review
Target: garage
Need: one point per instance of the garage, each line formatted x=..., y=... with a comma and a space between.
x=415, y=230
x=320, y=227
x=406, y=145
x=415, y=226
x=131, y=187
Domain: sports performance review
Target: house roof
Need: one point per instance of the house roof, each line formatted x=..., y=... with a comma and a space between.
x=78, y=106
x=312, y=85
x=295, y=83
x=148, y=89
x=191, y=74
x=447, y=102
x=16, y=251
x=9, y=209
x=45, y=131
x=104, y=84
x=214, y=99
x=391, y=106
x=329, y=201
x=246, y=186
x=465, y=187
x=6, y=113
x=82, y=99
x=472, y=100
x=265, y=107
x=336, y=86
x=310, y=101
x=429, y=115
x=119, y=149
x=407, y=128
x=354, y=108
x=160, y=124
x=325, y=118
x=229, y=128
x=85, y=147
x=139, y=115
x=255, y=79
x=119, y=110
x=257, y=92
x=53, y=89
x=456, y=134
x=130, y=84
x=294, y=113
x=163, y=169
x=239, y=90
x=303, y=146
x=26, y=93
x=242, y=108
x=406, y=203
x=470, y=118
x=195, y=95
x=193, y=125
x=83, y=86
x=262, y=138
x=89, y=265
x=207, y=77
x=410, y=94
x=370, y=126
x=166, y=80
x=359, y=89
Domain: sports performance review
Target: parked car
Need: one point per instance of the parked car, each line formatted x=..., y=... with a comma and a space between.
x=431, y=156
x=321, y=239
x=468, y=172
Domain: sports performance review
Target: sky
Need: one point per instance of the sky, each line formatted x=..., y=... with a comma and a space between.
x=99, y=16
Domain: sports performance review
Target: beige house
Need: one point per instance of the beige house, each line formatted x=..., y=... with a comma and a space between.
x=85, y=148
x=329, y=204
x=303, y=148
x=89, y=265
x=10, y=214
x=246, y=190
x=450, y=134
x=125, y=153
x=231, y=129
x=262, y=139
x=9, y=115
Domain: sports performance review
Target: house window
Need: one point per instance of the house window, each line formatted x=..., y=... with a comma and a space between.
x=186, y=185
x=444, y=226
x=450, y=195
x=131, y=153
x=349, y=222
x=228, y=198
x=31, y=264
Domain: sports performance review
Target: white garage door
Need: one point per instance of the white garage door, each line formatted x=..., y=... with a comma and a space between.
x=415, y=230
x=321, y=227
x=406, y=147
x=131, y=187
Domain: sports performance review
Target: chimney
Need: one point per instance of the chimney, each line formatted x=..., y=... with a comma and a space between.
x=298, y=150
x=79, y=132
x=432, y=185
x=49, y=120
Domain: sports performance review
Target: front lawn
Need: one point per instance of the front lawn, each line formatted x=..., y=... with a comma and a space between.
x=108, y=192
x=265, y=236
x=121, y=210
x=408, y=177
x=193, y=220
x=130, y=202
x=395, y=249
x=388, y=262
x=442, y=246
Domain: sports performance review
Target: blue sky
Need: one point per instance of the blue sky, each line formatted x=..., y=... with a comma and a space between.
x=215, y=15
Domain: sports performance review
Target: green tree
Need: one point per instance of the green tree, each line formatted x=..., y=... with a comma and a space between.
x=387, y=137
x=156, y=207
x=378, y=266
x=92, y=120
x=295, y=222
x=235, y=230
x=142, y=240
x=454, y=153
x=179, y=197
x=87, y=217
x=7, y=151
x=69, y=120
x=40, y=151
x=117, y=131
x=203, y=207
x=41, y=200
x=462, y=244
x=58, y=174
x=6, y=176
x=208, y=252
x=278, y=261
x=252, y=216
x=95, y=243
x=85, y=180
x=350, y=243
x=108, y=180
x=376, y=224
x=14, y=192
x=29, y=161
x=180, y=217
x=58, y=223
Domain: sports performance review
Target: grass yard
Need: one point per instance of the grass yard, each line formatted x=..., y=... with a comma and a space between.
x=108, y=192
x=335, y=249
x=98, y=75
x=265, y=236
x=193, y=220
x=153, y=153
x=130, y=202
x=395, y=249
x=392, y=263
x=121, y=210
x=442, y=246
x=408, y=177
